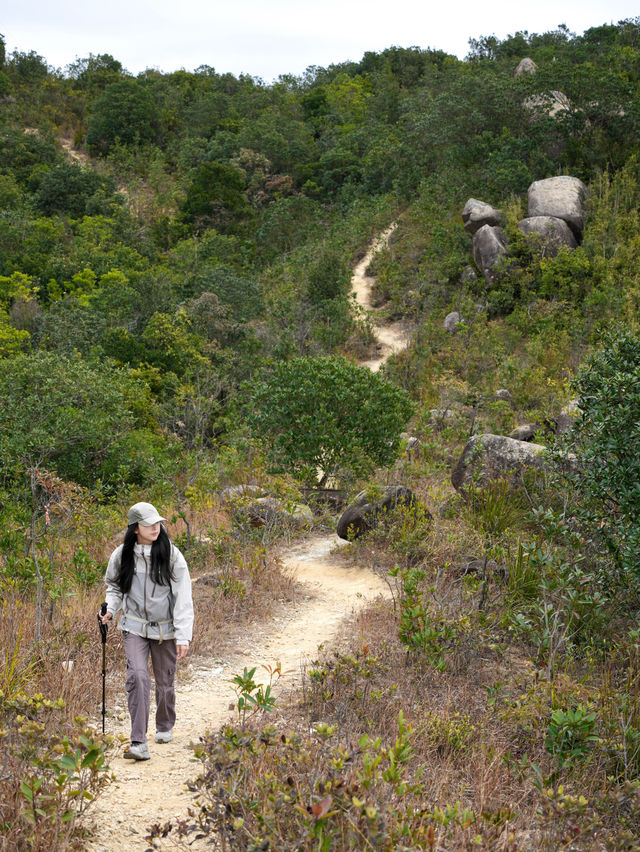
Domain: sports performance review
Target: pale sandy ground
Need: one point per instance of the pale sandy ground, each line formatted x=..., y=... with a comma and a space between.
x=155, y=790
x=391, y=337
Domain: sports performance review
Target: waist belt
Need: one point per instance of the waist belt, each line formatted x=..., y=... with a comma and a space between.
x=148, y=624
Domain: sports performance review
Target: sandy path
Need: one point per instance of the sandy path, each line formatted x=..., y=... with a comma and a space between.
x=392, y=337
x=154, y=790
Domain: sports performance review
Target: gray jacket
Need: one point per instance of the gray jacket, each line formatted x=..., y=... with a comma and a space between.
x=150, y=610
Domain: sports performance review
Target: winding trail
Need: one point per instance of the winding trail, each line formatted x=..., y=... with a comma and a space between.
x=329, y=590
x=391, y=337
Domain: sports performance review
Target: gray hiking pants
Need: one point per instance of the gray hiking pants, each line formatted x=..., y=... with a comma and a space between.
x=163, y=660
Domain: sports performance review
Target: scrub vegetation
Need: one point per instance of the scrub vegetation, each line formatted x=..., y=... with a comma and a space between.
x=175, y=319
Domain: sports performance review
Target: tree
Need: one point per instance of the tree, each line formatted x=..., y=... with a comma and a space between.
x=67, y=188
x=61, y=413
x=215, y=198
x=126, y=112
x=327, y=414
x=605, y=439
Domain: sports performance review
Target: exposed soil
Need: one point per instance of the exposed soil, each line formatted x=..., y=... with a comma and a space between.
x=330, y=590
x=391, y=337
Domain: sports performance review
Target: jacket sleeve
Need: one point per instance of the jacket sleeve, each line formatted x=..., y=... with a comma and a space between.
x=114, y=595
x=182, y=599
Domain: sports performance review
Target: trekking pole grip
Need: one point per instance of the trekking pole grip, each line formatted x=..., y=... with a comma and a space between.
x=103, y=627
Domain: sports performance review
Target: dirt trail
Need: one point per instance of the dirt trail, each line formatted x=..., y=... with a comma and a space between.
x=391, y=337
x=330, y=590
x=154, y=791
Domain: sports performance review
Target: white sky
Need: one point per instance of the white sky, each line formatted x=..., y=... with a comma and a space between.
x=266, y=38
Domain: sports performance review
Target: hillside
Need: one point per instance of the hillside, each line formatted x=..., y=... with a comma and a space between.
x=177, y=254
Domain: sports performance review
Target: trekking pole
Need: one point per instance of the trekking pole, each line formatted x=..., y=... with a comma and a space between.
x=103, y=633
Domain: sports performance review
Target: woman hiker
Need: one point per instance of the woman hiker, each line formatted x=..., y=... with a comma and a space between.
x=148, y=582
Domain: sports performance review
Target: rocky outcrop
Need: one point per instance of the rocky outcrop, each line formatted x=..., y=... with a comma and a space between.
x=525, y=66
x=555, y=219
x=549, y=233
x=487, y=458
x=561, y=197
x=476, y=213
x=551, y=103
x=451, y=322
x=364, y=513
x=489, y=250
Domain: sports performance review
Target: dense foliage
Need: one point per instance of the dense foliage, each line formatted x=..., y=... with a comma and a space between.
x=175, y=317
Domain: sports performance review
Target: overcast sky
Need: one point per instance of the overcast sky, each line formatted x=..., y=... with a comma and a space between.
x=266, y=38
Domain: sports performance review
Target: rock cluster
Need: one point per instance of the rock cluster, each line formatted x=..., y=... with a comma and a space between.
x=555, y=218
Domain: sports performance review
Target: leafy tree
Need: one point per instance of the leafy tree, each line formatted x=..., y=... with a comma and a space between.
x=95, y=73
x=215, y=198
x=327, y=414
x=605, y=439
x=60, y=413
x=67, y=188
x=126, y=113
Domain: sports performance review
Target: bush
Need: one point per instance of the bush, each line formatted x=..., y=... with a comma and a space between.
x=604, y=439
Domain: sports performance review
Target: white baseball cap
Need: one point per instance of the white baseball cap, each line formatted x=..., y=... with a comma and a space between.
x=145, y=514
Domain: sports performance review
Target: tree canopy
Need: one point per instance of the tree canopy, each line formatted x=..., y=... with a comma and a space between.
x=328, y=415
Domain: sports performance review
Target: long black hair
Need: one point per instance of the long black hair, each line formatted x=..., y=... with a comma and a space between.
x=161, y=572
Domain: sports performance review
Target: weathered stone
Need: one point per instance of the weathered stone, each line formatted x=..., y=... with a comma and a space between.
x=468, y=275
x=489, y=249
x=476, y=213
x=363, y=514
x=526, y=66
x=236, y=492
x=525, y=432
x=451, y=322
x=505, y=395
x=481, y=567
x=487, y=458
x=549, y=104
x=549, y=233
x=269, y=511
x=561, y=197
x=567, y=417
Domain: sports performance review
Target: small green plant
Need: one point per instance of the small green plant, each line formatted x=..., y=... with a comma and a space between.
x=570, y=735
x=423, y=629
x=252, y=695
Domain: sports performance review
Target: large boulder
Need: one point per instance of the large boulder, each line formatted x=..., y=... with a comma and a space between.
x=489, y=249
x=550, y=104
x=487, y=458
x=525, y=66
x=549, y=233
x=561, y=197
x=476, y=213
x=363, y=514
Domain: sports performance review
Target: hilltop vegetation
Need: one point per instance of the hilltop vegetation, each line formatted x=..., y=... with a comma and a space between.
x=174, y=247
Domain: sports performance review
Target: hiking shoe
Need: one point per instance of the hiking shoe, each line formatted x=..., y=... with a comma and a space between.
x=164, y=736
x=137, y=751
